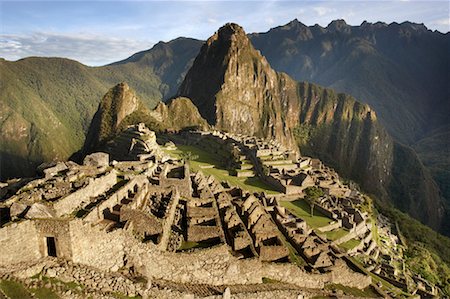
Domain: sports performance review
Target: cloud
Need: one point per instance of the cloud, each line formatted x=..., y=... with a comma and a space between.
x=441, y=22
x=322, y=10
x=87, y=48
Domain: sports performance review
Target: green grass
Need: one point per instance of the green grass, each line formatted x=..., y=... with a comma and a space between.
x=301, y=209
x=44, y=293
x=205, y=158
x=350, y=244
x=71, y=285
x=14, y=290
x=336, y=234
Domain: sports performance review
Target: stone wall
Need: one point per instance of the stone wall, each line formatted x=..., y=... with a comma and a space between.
x=18, y=243
x=218, y=267
x=82, y=196
x=183, y=185
x=110, y=251
x=58, y=229
x=94, y=247
x=116, y=197
x=332, y=226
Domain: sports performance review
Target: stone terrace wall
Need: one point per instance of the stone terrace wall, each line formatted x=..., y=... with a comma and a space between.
x=218, y=267
x=82, y=196
x=114, y=199
x=19, y=243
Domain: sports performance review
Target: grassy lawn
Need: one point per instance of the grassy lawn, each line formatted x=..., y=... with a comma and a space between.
x=14, y=290
x=335, y=234
x=301, y=209
x=350, y=244
x=205, y=158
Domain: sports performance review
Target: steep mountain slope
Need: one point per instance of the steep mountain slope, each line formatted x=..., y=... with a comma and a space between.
x=401, y=70
x=120, y=107
x=387, y=66
x=47, y=103
x=236, y=90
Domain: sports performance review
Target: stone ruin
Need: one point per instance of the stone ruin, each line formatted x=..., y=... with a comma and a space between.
x=153, y=218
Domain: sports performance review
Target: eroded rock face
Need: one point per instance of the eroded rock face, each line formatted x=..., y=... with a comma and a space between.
x=179, y=113
x=236, y=90
x=119, y=102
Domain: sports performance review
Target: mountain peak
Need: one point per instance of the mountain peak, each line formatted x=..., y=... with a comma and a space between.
x=228, y=33
x=339, y=25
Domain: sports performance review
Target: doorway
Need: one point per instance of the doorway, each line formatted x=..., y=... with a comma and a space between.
x=51, y=246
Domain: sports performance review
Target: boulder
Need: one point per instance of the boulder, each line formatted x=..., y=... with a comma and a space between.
x=16, y=209
x=51, y=171
x=97, y=160
x=39, y=210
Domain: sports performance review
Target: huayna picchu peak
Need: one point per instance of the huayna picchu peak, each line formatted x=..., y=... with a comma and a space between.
x=246, y=166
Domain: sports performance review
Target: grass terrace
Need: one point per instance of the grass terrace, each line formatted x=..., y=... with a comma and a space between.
x=336, y=234
x=301, y=209
x=350, y=244
x=205, y=159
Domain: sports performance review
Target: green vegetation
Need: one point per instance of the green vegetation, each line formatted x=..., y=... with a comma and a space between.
x=14, y=290
x=122, y=296
x=301, y=209
x=350, y=244
x=73, y=286
x=44, y=293
x=49, y=102
x=376, y=279
x=203, y=159
x=269, y=280
x=367, y=292
x=302, y=133
x=313, y=194
x=335, y=234
x=188, y=156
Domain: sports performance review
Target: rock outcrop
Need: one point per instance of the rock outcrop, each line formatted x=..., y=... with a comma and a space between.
x=236, y=90
x=120, y=108
x=119, y=102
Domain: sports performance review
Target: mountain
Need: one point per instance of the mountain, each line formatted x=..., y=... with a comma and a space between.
x=47, y=103
x=236, y=90
x=401, y=70
x=121, y=107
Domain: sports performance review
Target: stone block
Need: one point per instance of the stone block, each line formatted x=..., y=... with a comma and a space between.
x=97, y=160
x=16, y=209
x=39, y=210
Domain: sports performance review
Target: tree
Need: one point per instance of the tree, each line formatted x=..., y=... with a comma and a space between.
x=188, y=156
x=313, y=194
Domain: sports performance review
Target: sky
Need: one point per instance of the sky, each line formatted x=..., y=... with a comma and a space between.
x=101, y=32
